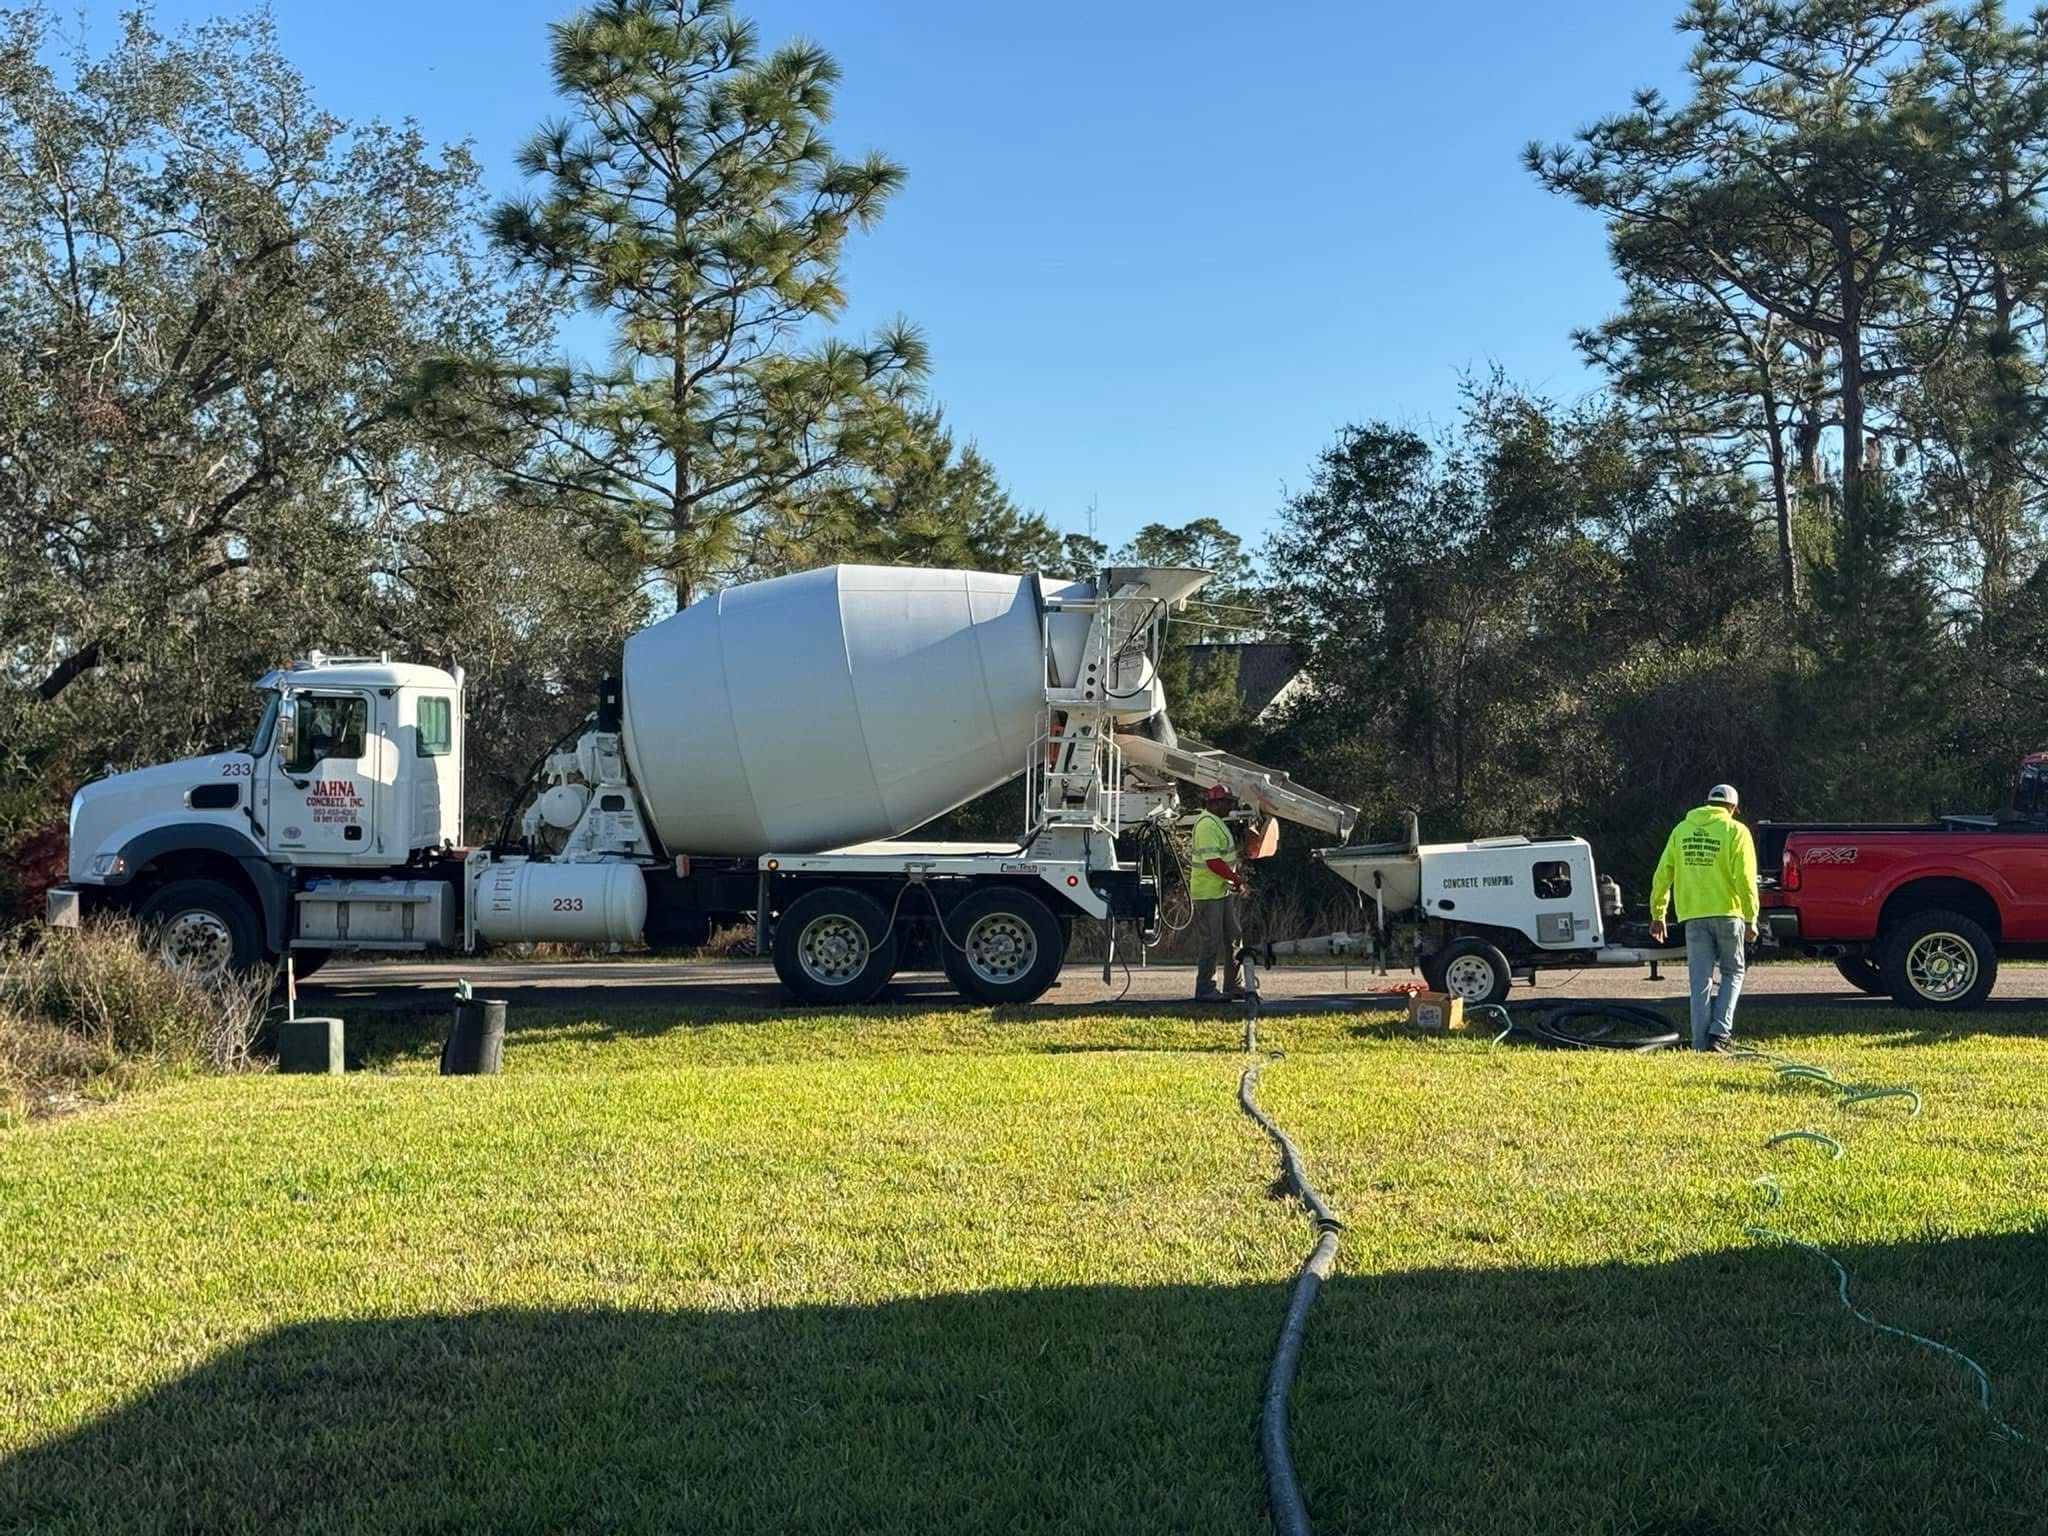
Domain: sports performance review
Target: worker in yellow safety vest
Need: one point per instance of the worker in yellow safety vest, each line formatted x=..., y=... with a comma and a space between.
x=1709, y=865
x=1214, y=882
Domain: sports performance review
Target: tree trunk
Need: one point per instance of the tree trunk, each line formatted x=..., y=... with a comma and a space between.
x=2002, y=513
x=1850, y=343
x=682, y=558
x=68, y=671
x=1781, y=497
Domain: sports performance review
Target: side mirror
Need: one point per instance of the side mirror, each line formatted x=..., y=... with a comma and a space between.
x=287, y=728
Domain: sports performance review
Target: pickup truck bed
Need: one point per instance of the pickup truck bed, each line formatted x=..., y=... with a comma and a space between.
x=1921, y=911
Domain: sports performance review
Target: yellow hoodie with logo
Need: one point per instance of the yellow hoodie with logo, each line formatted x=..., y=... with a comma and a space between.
x=1710, y=863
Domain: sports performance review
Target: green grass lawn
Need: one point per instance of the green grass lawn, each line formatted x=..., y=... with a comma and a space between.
x=913, y=1271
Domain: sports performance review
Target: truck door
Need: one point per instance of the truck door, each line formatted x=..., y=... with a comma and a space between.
x=321, y=790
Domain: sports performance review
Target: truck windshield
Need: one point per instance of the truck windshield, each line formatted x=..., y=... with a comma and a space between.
x=266, y=727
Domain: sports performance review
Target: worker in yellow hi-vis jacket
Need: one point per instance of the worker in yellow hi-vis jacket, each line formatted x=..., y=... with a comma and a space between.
x=1215, y=880
x=1709, y=865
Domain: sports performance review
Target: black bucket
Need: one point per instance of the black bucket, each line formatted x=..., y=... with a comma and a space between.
x=475, y=1046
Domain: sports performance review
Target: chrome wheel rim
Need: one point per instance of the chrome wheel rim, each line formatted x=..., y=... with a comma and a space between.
x=198, y=944
x=1469, y=977
x=1941, y=967
x=1001, y=947
x=833, y=949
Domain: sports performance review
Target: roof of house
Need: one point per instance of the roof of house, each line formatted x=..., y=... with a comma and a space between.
x=1264, y=669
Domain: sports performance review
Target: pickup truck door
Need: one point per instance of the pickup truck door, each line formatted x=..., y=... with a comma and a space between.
x=2020, y=859
x=321, y=778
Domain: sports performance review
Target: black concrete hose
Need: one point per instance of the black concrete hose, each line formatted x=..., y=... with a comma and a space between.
x=1591, y=1026
x=1283, y=1488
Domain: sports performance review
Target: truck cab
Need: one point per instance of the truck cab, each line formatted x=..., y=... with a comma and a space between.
x=354, y=772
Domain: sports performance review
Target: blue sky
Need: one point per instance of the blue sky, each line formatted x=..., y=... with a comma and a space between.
x=1162, y=251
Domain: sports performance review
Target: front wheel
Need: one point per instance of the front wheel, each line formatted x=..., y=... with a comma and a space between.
x=202, y=929
x=1472, y=969
x=1862, y=973
x=1003, y=946
x=1939, y=960
x=835, y=946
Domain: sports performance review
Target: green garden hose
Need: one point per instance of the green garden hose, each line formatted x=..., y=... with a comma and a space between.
x=1756, y=1229
x=1834, y=1147
x=1848, y=1093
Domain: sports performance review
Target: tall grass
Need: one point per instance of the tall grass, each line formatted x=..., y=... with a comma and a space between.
x=88, y=1012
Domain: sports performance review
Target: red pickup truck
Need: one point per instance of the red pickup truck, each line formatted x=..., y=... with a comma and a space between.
x=1921, y=912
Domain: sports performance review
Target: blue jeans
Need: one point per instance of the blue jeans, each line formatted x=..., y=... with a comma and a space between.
x=1711, y=941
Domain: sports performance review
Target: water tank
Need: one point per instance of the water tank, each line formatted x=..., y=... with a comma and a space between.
x=835, y=706
x=593, y=903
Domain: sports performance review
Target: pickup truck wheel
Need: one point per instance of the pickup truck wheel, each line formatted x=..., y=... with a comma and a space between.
x=1472, y=969
x=202, y=929
x=1863, y=973
x=1003, y=946
x=835, y=946
x=1939, y=960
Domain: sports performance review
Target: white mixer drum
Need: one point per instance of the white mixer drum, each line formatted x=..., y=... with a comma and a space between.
x=834, y=706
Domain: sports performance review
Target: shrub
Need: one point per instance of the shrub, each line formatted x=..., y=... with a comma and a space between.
x=40, y=1066
x=33, y=865
x=95, y=1010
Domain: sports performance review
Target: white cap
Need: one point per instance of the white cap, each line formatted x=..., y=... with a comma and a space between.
x=1723, y=794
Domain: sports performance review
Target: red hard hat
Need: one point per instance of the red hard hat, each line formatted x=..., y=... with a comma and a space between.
x=1217, y=792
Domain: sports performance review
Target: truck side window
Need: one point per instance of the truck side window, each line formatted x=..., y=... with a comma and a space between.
x=2029, y=800
x=1552, y=880
x=331, y=727
x=436, y=735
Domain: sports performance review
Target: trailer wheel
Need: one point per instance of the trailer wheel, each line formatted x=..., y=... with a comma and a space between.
x=1939, y=960
x=835, y=946
x=1470, y=968
x=1862, y=973
x=1003, y=946
x=202, y=929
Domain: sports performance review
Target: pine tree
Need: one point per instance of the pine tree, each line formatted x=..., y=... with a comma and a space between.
x=1814, y=175
x=691, y=198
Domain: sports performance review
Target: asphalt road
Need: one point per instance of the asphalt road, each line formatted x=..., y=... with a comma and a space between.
x=597, y=984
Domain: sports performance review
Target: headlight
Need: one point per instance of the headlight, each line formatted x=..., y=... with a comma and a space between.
x=105, y=864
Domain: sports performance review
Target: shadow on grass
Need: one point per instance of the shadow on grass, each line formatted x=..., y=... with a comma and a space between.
x=1721, y=1394
x=383, y=1032
x=382, y=1038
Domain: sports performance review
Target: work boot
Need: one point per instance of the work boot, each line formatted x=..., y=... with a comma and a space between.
x=1720, y=1045
x=1208, y=995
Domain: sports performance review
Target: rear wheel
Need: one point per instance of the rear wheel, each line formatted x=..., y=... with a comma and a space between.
x=1003, y=946
x=835, y=946
x=1939, y=960
x=202, y=929
x=1470, y=968
x=1862, y=973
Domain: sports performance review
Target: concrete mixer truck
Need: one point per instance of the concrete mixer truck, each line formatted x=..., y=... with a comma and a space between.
x=759, y=759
